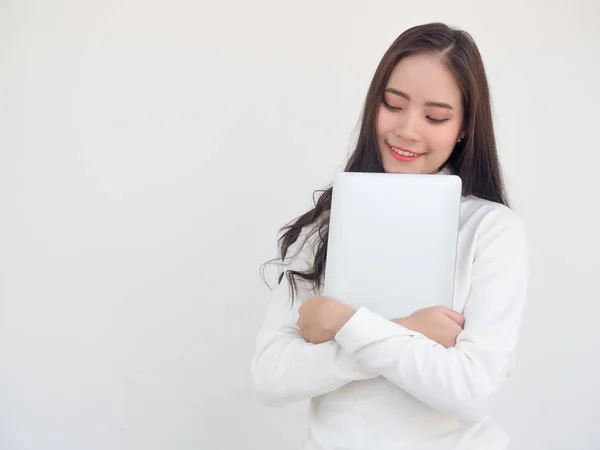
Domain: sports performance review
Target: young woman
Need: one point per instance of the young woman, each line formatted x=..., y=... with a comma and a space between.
x=427, y=380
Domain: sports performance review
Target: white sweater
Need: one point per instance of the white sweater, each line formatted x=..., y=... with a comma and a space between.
x=381, y=386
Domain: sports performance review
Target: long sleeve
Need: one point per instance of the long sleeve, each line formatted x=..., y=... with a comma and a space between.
x=460, y=380
x=285, y=368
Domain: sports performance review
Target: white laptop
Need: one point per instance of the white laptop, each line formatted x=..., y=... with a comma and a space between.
x=392, y=241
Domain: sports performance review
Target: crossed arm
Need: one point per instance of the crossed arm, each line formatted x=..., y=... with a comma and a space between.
x=460, y=380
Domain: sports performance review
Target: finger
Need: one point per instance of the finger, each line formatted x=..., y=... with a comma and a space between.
x=301, y=308
x=308, y=337
x=454, y=315
x=301, y=315
x=305, y=334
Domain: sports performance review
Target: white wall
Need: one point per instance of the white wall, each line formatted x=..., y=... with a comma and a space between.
x=149, y=151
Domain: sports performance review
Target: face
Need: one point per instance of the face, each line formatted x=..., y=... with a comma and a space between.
x=420, y=119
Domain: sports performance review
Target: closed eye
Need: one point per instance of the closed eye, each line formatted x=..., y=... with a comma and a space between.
x=392, y=108
x=436, y=121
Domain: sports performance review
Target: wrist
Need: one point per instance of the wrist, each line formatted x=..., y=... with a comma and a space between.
x=340, y=314
x=406, y=322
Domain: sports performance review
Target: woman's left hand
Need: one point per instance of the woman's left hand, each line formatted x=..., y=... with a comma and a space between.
x=321, y=318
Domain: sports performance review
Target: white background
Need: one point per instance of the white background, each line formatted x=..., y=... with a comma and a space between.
x=149, y=151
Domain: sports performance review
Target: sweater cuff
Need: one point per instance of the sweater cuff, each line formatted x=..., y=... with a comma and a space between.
x=365, y=327
x=349, y=367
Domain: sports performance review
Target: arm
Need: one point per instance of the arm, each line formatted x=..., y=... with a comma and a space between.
x=285, y=368
x=460, y=380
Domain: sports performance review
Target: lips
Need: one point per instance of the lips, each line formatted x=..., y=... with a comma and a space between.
x=402, y=155
x=406, y=152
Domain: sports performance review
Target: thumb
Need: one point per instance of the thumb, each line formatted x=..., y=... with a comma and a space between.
x=456, y=316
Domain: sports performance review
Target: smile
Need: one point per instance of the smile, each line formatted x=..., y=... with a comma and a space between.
x=402, y=154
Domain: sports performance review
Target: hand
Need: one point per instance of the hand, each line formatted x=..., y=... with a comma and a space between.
x=438, y=323
x=321, y=318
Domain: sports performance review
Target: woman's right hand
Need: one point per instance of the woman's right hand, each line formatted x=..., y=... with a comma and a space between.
x=438, y=323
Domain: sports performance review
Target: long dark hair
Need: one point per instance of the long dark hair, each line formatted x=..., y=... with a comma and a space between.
x=474, y=159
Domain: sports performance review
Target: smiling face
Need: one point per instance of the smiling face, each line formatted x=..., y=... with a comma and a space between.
x=420, y=118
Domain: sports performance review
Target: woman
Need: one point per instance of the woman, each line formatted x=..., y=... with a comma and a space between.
x=423, y=381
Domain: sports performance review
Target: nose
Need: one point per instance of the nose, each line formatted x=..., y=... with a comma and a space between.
x=408, y=127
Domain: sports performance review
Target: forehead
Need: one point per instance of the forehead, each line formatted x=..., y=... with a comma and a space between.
x=424, y=78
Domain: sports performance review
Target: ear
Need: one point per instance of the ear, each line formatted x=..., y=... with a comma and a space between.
x=461, y=136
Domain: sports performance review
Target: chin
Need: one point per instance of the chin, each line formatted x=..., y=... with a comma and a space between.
x=401, y=171
x=395, y=167
x=391, y=165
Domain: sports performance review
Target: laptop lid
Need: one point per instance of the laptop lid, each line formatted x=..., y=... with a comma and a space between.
x=392, y=241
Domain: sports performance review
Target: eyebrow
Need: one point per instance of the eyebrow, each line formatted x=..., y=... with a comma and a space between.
x=407, y=97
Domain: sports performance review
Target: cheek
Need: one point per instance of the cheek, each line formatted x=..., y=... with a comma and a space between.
x=384, y=122
x=442, y=139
